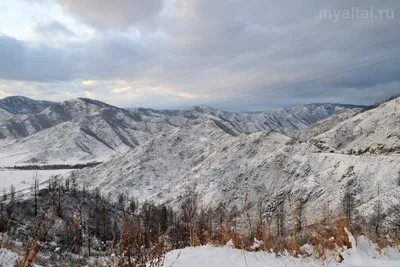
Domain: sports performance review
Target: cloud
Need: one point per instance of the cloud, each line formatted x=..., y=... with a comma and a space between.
x=178, y=53
x=89, y=83
x=24, y=61
x=114, y=14
x=54, y=29
x=120, y=90
x=89, y=94
x=4, y=94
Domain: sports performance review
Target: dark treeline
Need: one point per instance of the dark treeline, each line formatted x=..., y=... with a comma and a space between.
x=62, y=221
x=53, y=166
x=378, y=103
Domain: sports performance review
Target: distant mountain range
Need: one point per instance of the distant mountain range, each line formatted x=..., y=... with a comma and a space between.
x=84, y=129
x=23, y=105
x=314, y=153
x=351, y=151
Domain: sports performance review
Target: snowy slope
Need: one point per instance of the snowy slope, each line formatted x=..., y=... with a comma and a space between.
x=23, y=105
x=9, y=258
x=75, y=130
x=23, y=180
x=4, y=115
x=280, y=120
x=223, y=167
x=20, y=126
x=160, y=162
x=375, y=131
x=85, y=130
x=363, y=254
x=324, y=125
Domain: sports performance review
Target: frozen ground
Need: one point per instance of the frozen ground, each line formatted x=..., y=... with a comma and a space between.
x=8, y=258
x=362, y=255
x=24, y=179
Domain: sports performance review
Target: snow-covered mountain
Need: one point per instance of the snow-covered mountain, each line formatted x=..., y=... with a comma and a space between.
x=75, y=130
x=85, y=130
x=324, y=125
x=23, y=105
x=313, y=152
x=268, y=166
x=285, y=120
x=375, y=131
x=4, y=115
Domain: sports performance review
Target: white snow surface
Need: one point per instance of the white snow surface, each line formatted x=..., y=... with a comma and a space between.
x=363, y=254
x=23, y=180
x=375, y=131
x=23, y=105
x=9, y=258
x=223, y=168
x=324, y=125
x=4, y=115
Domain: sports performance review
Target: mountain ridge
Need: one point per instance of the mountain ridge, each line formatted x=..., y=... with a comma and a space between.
x=45, y=103
x=262, y=166
x=23, y=105
x=89, y=129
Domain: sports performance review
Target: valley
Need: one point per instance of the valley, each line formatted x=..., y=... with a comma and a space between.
x=188, y=133
x=270, y=166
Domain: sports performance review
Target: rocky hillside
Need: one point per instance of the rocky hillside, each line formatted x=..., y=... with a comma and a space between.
x=23, y=105
x=4, y=115
x=324, y=125
x=85, y=130
x=285, y=120
x=375, y=131
x=268, y=166
x=75, y=130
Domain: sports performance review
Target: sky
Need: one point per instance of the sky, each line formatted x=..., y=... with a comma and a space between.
x=235, y=55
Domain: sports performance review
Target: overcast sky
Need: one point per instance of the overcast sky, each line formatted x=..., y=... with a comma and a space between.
x=230, y=54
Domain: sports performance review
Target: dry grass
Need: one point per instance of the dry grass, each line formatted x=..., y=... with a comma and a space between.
x=327, y=239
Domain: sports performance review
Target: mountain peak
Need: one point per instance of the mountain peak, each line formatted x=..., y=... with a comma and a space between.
x=96, y=102
x=23, y=105
x=202, y=109
x=81, y=102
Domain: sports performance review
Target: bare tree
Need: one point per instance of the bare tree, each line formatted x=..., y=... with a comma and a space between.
x=378, y=215
x=395, y=221
x=260, y=211
x=12, y=193
x=348, y=204
x=132, y=206
x=297, y=209
x=121, y=201
x=35, y=190
x=74, y=185
x=189, y=213
x=280, y=220
x=398, y=178
x=4, y=194
x=67, y=184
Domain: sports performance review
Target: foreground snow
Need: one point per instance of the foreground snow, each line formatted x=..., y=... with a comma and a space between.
x=7, y=258
x=363, y=253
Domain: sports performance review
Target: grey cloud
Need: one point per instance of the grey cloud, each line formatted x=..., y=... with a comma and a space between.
x=53, y=29
x=189, y=54
x=21, y=61
x=96, y=59
x=116, y=13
